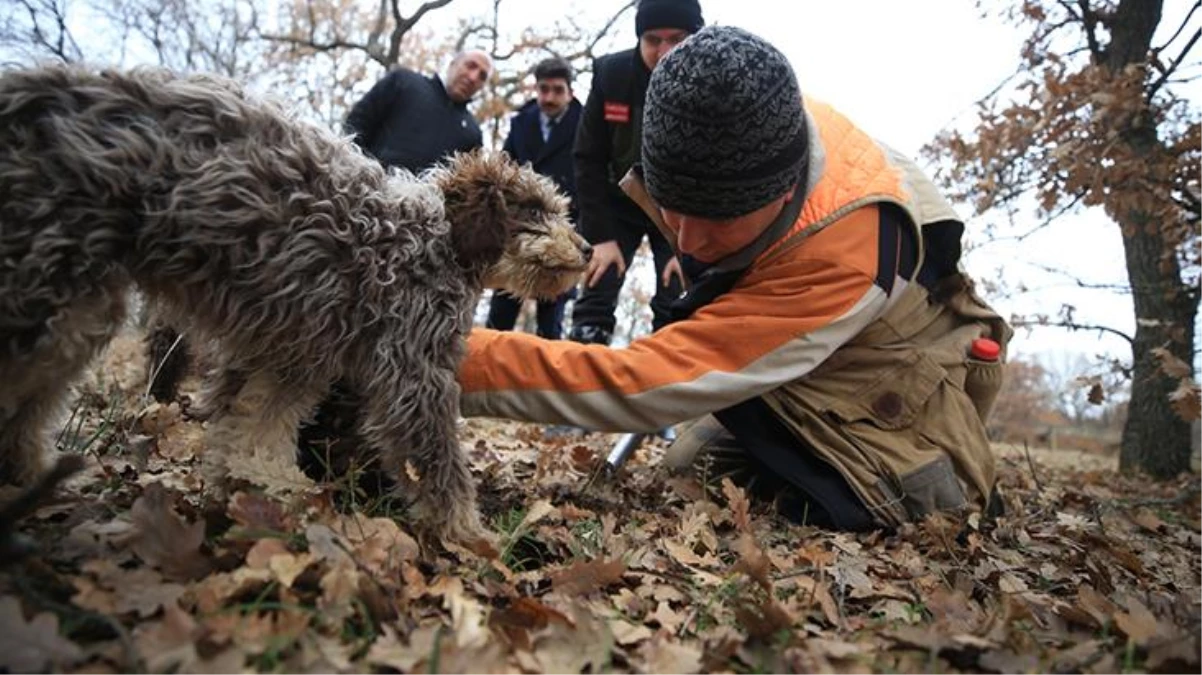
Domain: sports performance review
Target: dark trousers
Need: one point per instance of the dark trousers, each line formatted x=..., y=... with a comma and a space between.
x=593, y=315
x=504, y=309
x=807, y=489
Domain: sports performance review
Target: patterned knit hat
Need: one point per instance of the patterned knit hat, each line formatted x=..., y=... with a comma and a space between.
x=683, y=14
x=723, y=129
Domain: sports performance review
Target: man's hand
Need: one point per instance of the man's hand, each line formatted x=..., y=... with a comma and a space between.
x=672, y=269
x=605, y=254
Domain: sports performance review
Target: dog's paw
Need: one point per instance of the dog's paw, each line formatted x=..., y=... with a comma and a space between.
x=462, y=528
x=484, y=544
x=24, y=470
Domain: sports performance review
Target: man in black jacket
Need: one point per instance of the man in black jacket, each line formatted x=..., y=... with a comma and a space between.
x=607, y=144
x=541, y=134
x=412, y=121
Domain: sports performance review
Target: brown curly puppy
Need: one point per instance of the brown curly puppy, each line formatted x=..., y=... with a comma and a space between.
x=299, y=258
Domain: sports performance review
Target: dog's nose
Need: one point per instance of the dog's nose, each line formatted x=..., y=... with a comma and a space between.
x=587, y=252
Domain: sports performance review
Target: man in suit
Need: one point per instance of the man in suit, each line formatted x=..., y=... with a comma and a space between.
x=542, y=134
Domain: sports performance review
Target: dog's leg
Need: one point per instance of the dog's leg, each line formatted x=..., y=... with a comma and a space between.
x=412, y=422
x=24, y=434
x=36, y=386
x=217, y=392
x=261, y=419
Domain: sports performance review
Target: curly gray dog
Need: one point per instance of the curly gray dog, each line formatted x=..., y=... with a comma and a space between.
x=300, y=258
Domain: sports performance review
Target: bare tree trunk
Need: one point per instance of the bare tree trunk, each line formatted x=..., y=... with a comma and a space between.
x=1155, y=438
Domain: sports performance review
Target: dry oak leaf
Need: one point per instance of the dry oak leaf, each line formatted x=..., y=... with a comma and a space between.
x=1138, y=623
x=663, y=656
x=379, y=544
x=564, y=647
x=162, y=538
x=214, y=591
x=668, y=619
x=761, y=615
x=685, y=555
x=819, y=593
x=752, y=561
x=321, y=654
x=1170, y=364
x=170, y=645
x=1186, y=400
x=35, y=645
x=390, y=651
x=585, y=576
x=740, y=506
x=339, y=587
x=156, y=418
x=272, y=554
x=468, y=619
x=277, y=475
x=325, y=544
x=537, y=511
x=258, y=513
x=144, y=591
x=626, y=633
x=1144, y=517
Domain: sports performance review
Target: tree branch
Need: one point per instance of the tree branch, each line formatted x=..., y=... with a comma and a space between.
x=1164, y=76
x=1072, y=326
x=1079, y=283
x=1177, y=33
x=316, y=46
x=1089, y=25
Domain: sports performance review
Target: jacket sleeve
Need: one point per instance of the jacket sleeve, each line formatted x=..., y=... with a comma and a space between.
x=510, y=145
x=591, y=153
x=368, y=114
x=789, y=315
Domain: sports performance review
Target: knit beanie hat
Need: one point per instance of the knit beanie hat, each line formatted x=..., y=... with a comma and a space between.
x=683, y=14
x=724, y=132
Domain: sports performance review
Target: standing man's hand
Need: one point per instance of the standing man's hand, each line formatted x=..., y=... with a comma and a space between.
x=672, y=269
x=605, y=254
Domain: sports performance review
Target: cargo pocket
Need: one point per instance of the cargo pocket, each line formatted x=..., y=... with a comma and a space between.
x=879, y=421
x=932, y=487
x=894, y=400
x=982, y=382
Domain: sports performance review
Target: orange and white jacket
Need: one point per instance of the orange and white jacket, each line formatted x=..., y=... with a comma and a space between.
x=796, y=304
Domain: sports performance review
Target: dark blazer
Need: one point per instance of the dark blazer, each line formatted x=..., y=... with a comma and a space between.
x=552, y=158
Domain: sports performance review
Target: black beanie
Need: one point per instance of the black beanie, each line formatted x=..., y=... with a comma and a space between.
x=724, y=132
x=683, y=14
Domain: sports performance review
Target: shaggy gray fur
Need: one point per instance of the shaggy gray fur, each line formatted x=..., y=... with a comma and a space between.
x=278, y=242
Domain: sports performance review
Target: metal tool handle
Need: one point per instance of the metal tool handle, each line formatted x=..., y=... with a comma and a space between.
x=622, y=451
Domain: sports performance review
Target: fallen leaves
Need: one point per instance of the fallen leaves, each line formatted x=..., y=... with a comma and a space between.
x=653, y=573
x=33, y=645
x=585, y=576
x=163, y=539
x=270, y=471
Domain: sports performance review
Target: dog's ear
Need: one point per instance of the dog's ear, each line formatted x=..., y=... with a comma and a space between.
x=477, y=209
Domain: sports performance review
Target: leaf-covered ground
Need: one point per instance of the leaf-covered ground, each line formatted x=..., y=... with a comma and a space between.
x=1090, y=571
